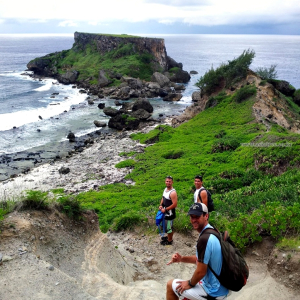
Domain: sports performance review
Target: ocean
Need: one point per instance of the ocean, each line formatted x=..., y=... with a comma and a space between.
x=40, y=112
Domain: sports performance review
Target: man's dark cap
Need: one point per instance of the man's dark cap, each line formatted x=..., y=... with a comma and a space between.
x=198, y=209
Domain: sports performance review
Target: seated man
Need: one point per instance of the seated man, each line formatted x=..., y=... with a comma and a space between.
x=203, y=284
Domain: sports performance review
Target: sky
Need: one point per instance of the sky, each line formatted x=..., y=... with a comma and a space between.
x=151, y=16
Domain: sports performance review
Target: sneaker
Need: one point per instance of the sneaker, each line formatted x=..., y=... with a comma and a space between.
x=166, y=242
x=164, y=238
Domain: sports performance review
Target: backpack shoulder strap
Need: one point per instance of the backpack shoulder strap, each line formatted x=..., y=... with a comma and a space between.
x=217, y=234
x=200, y=190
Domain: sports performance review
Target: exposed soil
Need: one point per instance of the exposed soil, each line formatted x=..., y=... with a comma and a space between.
x=45, y=255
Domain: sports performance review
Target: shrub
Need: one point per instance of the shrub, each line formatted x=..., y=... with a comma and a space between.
x=220, y=134
x=210, y=80
x=237, y=69
x=129, y=163
x=173, y=154
x=272, y=219
x=231, y=72
x=226, y=143
x=71, y=206
x=123, y=50
x=146, y=58
x=34, y=200
x=245, y=93
x=5, y=208
x=267, y=73
x=127, y=221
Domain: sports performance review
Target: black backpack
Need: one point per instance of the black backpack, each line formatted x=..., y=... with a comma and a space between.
x=234, y=272
x=210, y=202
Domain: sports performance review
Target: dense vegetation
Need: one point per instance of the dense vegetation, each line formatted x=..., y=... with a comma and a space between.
x=124, y=60
x=267, y=73
x=227, y=74
x=252, y=171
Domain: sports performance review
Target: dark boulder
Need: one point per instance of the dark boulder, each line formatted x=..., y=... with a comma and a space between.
x=173, y=97
x=101, y=105
x=140, y=114
x=64, y=170
x=126, y=107
x=179, y=87
x=99, y=124
x=172, y=63
x=118, y=103
x=161, y=79
x=109, y=111
x=68, y=77
x=133, y=83
x=88, y=141
x=123, y=121
x=162, y=92
x=103, y=79
x=123, y=93
x=180, y=76
x=142, y=104
x=71, y=137
x=196, y=96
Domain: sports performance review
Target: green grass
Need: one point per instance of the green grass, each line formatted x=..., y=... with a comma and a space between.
x=116, y=35
x=292, y=244
x=241, y=190
x=124, y=60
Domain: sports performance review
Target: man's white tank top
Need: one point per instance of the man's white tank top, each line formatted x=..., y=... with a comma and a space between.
x=196, y=195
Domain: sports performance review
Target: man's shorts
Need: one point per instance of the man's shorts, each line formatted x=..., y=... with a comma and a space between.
x=195, y=293
x=169, y=226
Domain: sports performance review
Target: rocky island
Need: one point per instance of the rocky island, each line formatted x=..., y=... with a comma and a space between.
x=118, y=66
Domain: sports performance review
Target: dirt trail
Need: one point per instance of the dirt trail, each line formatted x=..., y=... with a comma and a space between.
x=47, y=256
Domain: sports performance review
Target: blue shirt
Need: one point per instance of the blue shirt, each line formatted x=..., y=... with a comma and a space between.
x=213, y=256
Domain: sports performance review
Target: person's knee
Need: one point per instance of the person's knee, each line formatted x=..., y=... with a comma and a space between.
x=169, y=285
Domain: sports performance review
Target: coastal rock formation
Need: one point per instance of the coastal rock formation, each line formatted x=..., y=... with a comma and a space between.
x=111, y=75
x=106, y=43
x=129, y=115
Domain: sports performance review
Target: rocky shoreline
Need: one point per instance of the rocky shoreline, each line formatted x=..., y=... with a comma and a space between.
x=76, y=167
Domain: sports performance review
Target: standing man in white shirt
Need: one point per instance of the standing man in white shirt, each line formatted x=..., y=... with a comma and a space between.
x=167, y=205
x=199, y=188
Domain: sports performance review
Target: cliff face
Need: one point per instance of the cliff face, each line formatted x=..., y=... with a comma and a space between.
x=107, y=43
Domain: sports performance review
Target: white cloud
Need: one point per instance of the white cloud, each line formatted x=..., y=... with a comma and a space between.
x=195, y=12
x=167, y=22
x=67, y=23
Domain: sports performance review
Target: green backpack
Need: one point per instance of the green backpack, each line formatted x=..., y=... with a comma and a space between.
x=234, y=272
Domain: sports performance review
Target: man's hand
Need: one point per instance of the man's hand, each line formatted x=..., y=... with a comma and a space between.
x=176, y=258
x=182, y=286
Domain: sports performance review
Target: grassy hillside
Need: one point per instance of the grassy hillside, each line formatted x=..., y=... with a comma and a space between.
x=249, y=201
